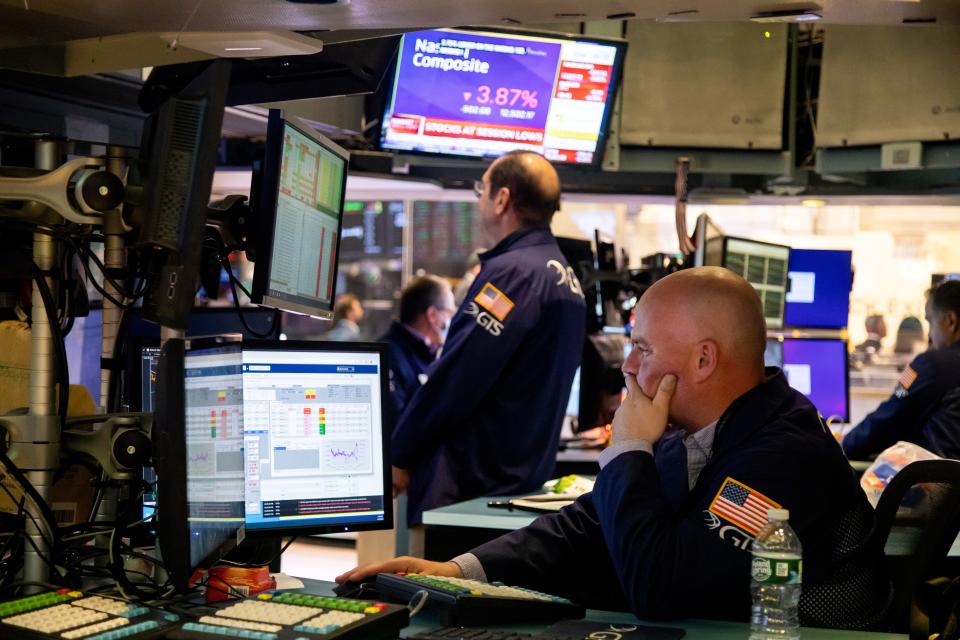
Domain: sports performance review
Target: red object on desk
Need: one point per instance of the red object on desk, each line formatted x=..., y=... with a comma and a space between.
x=228, y=582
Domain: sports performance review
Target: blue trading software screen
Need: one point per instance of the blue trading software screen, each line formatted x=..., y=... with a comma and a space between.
x=817, y=368
x=819, y=295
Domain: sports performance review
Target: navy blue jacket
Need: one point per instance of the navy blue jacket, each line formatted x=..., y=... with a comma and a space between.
x=924, y=409
x=628, y=545
x=410, y=357
x=487, y=421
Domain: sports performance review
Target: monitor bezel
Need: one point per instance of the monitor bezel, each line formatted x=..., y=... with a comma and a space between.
x=616, y=82
x=266, y=214
x=787, y=324
x=382, y=350
x=845, y=419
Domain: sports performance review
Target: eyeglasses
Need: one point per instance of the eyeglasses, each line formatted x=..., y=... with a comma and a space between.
x=478, y=188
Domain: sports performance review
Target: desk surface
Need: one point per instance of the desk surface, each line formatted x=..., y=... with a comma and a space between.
x=696, y=629
x=476, y=513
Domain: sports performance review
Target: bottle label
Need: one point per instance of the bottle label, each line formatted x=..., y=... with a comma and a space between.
x=776, y=570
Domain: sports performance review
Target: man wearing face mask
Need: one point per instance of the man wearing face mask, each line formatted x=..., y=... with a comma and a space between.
x=487, y=421
x=426, y=308
x=666, y=531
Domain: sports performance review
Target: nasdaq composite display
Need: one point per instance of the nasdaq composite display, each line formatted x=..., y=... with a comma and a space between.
x=482, y=93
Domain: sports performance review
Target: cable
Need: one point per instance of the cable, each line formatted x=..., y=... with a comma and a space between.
x=415, y=609
x=225, y=263
x=251, y=565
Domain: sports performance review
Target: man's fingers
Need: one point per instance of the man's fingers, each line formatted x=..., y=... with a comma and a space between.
x=668, y=384
x=632, y=386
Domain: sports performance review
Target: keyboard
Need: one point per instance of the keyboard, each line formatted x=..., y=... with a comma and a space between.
x=471, y=602
x=66, y=614
x=294, y=616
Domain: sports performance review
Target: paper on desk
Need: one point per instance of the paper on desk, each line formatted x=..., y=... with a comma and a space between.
x=286, y=582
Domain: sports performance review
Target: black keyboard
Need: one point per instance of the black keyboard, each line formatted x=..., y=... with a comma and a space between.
x=66, y=614
x=290, y=616
x=469, y=602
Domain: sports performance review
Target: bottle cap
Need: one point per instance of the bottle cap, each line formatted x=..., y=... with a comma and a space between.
x=781, y=515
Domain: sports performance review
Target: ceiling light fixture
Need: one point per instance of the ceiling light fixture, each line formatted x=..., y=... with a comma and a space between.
x=789, y=15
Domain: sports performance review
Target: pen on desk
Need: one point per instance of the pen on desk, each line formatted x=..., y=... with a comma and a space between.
x=500, y=504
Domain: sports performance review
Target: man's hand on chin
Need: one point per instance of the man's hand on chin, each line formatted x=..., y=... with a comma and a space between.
x=640, y=417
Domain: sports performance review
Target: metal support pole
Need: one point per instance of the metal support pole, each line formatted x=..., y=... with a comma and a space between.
x=42, y=384
x=114, y=258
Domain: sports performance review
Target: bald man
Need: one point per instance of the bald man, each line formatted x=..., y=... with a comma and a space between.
x=487, y=420
x=667, y=529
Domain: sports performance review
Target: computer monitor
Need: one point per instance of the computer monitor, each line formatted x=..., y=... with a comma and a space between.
x=483, y=92
x=762, y=264
x=300, y=213
x=819, y=295
x=198, y=452
x=181, y=142
x=937, y=278
x=600, y=380
x=315, y=439
x=817, y=368
x=372, y=230
x=704, y=231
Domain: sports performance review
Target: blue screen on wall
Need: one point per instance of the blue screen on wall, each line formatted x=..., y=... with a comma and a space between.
x=820, y=282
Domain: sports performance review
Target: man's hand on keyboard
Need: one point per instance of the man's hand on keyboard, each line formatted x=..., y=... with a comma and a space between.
x=403, y=564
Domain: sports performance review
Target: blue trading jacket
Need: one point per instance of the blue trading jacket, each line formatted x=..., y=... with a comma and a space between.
x=487, y=421
x=410, y=357
x=629, y=545
x=924, y=409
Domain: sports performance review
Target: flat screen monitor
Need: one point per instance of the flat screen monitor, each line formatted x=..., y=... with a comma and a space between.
x=197, y=444
x=444, y=235
x=300, y=212
x=600, y=380
x=819, y=295
x=372, y=229
x=762, y=264
x=485, y=92
x=817, y=368
x=704, y=231
x=313, y=442
x=937, y=278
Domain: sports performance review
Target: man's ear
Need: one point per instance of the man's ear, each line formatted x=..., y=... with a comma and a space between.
x=707, y=354
x=501, y=199
x=952, y=320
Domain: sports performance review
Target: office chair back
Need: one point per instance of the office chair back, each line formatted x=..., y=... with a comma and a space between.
x=923, y=501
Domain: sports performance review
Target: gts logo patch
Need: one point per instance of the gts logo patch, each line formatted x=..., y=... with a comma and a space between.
x=493, y=326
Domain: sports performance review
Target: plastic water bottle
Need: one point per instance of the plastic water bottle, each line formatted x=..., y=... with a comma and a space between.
x=775, y=580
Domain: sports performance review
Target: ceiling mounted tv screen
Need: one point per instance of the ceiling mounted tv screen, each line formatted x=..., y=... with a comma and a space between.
x=482, y=93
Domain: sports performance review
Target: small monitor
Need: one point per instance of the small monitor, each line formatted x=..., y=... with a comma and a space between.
x=819, y=295
x=937, y=278
x=315, y=437
x=704, y=231
x=817, y=368
x=300, y=212
x=372, y=230
x=485, y=92
x=181, y=142
x=197, y=443
x=600, y=380
x=762, y=264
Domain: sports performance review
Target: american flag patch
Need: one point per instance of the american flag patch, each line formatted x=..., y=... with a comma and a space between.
x=741, y=505
x=494, y=301
x=907, y=378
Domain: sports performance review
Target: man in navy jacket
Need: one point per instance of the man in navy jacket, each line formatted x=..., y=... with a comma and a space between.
x=925, y=406
x=426, y=308
x=667, y=530
x=487, y=421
